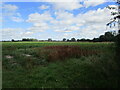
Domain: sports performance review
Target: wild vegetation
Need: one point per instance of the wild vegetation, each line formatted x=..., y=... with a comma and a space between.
x=59, y=65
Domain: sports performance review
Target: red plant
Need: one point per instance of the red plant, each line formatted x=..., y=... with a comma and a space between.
x=54, y=53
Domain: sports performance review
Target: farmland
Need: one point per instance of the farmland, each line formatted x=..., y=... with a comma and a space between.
x=59, y=65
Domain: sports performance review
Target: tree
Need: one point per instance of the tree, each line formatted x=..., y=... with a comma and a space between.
x=114, y=33
x=114, y=20
x=12, y=40
x=68, y=40
x=102, y=38
x=64, y=39
x=73, y=39
x=109, y=36
x=88, y=40
x=78, y=40
x=83, y=39
x=49, y=39
x=95, y=39
x=116, y=15
x=29, y=39
x=24, y=39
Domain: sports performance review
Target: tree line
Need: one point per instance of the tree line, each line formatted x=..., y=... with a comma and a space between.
x=107, y=37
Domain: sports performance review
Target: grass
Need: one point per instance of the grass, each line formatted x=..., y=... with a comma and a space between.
x=59, y=65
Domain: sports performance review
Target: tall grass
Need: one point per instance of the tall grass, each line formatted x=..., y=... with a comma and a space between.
x=59, y=65
x=63, y=52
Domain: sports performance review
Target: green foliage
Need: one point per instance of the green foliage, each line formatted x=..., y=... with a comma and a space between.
x=118, y=48
x=49, y=39
x=34, y=71
x=108, y=37
x=64, y=39
x=29, y=39
x=73, y=39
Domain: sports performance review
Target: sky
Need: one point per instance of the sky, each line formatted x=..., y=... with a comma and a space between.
x=56, y=20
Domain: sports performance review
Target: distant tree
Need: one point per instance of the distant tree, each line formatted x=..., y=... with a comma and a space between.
x=78, y=40
x=109, y=36
x=102, y=38
x=29, y=39
x=32, y=39
x=68, y=40
x=49, y=39
x=24, y=39
x=73, y=39
x=83, y=39
x=88, y=40
x=12, y=40
x=95, y=40
x=64, y=39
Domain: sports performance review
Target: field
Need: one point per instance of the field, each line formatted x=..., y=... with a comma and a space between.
x=59, y=65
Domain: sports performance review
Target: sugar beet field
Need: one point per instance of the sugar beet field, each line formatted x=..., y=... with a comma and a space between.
x=59, y=65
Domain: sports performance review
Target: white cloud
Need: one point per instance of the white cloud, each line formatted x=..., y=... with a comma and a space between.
x=74, y=4
x=96, y=16
x=10, y=12
x=15, y=33
x=37, y=18
x=9, y=7
x=88, y=25
x=28, y=33
x=63, y=15
x=88, y=3
x=66, y=5
x=10, y=33
x=40, y=21
x=94, y=22
x=38, y=29
x=17, y=19
x=49, y=0
x=43, y=7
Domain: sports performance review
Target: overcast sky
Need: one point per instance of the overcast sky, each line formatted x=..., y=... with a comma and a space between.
x=56, y=20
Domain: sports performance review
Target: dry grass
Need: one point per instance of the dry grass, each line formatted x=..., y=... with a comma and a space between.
x=63, y=52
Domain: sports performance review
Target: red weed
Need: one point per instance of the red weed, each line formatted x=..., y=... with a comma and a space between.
x=54, y=53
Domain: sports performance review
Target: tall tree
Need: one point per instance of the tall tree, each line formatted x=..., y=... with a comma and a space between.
x=12, y=40
x=49, y=39
x=116, y=20
x=102, y=38
x=109, y=36
x=116, y=15
x=73, y=39
x=64, y=39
